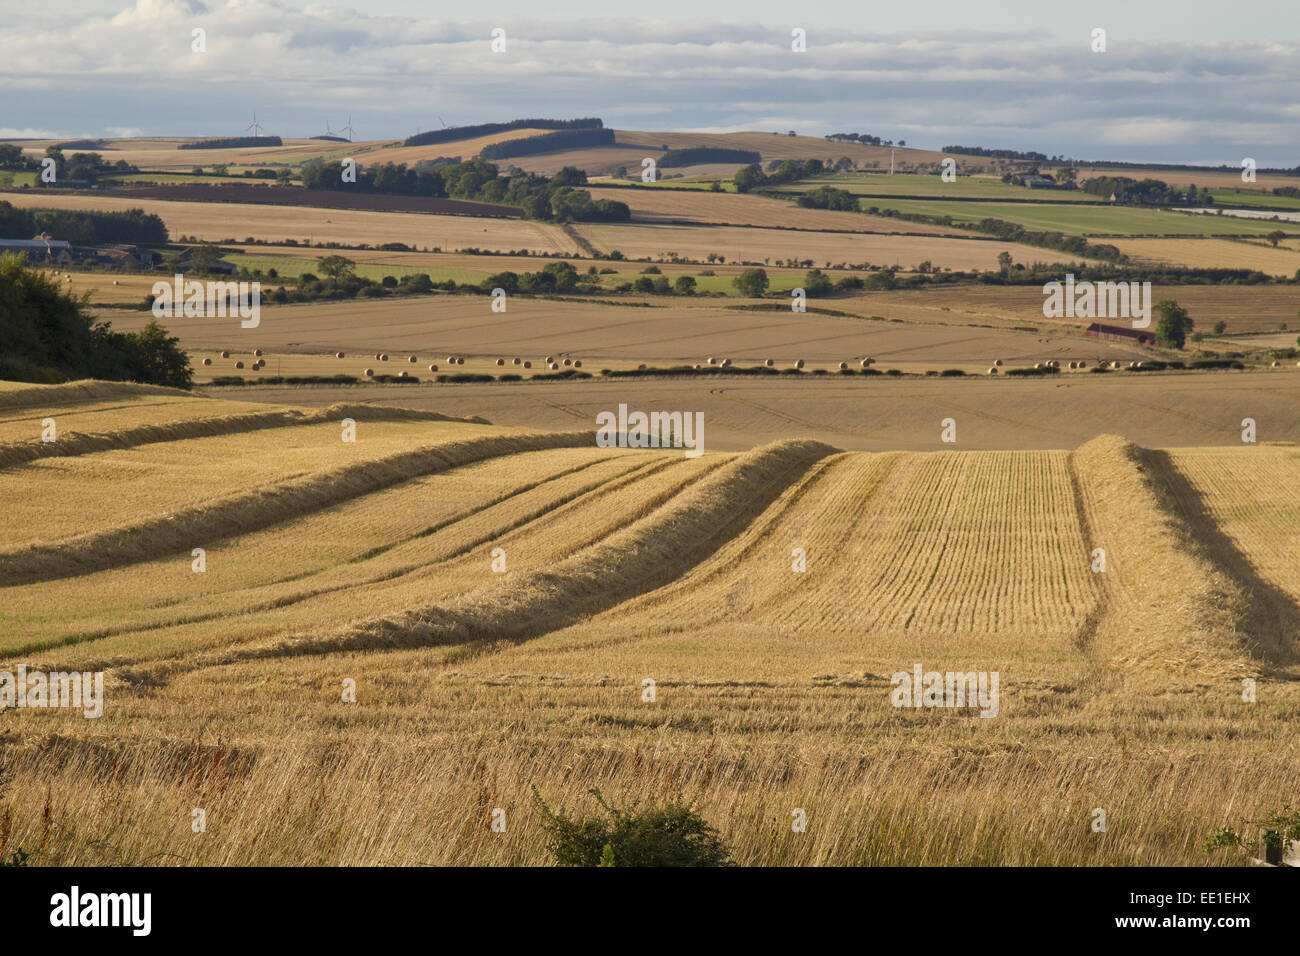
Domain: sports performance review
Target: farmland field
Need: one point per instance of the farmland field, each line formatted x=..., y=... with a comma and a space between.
x=698, y=206
x=500, y=595
x=751, y=244
x=1081, y=220
x=214, y=222
x=912, y=184
x=1282, y=260
x=317, y=198
x=876, y=414
x=303, y=339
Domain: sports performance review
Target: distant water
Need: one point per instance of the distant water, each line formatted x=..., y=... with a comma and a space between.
x=1250, y=213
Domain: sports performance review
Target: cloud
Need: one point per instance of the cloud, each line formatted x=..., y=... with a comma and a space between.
x=134, y=69
x=10, y=132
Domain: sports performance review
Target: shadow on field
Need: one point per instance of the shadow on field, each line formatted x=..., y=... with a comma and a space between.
x=1274, y=616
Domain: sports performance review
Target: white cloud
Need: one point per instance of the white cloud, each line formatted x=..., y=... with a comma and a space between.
x=294, y=66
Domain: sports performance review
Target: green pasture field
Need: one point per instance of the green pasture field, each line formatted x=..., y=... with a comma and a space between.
x=916, y=184
x=1087, y=220
x=1254, y=199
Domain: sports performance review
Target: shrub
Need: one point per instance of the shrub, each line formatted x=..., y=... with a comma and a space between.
x=1277, y=833
x=672, y=835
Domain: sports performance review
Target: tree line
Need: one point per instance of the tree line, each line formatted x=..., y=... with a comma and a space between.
x=554, y=198
x=82, y=227
x=453, y=133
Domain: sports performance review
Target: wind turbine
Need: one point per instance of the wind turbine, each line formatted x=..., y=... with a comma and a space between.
x=328, y=131
x=348, y=129
x=255, y=126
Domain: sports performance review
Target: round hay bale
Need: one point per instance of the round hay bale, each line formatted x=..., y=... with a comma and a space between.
x=726, y=363
x=225, y=355
x=993, y=370
x=696, y=366
x=377, y=354
x=451, y=360
x=997, y=362
x=1038, y=365
x=844, y=366
x=712, y=360
x=577, y=363
x=798, y=363
x=402, y=374
x=569, y=363
x=370, y=372
x=550, y=359
x=1275, y=365
x=338, y=355
x=528, y=365
x=383, y=357
x=501, y=361
x=768, y=362
x=1082, y=364
x=207, y=361
x=257, y=352
x=865, y=363
x=413, y=359
x=433, y=368
x=239, y=365
x=114, y=282
x=460, y=361
x=517, y=361
x=553, y=366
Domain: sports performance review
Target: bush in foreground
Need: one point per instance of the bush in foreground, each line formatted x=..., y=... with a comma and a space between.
x=672, y=835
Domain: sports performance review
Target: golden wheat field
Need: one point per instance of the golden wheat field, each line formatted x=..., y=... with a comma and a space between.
x=361, y=651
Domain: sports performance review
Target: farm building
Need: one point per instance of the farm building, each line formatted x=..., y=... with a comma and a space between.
x=121, y=256
x=40, y=249
x=1117, y=333
x=1038, y=182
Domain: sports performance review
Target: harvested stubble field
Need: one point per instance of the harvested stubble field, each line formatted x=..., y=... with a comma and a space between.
x=877, y=413
x=366, y=562
x=162, y=152
x=240, y=193
x=1244, y=308
x=1282, y=261
x=759, y=245
x=713, y=209
x=599, y=334
x=214, y=222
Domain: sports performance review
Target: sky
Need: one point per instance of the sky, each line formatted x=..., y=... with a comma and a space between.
x=1189, y=81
